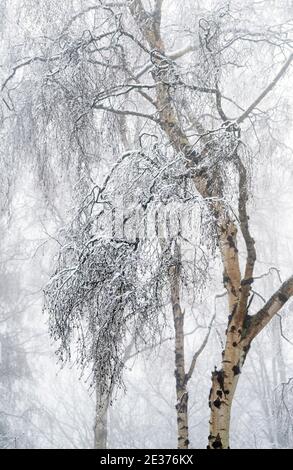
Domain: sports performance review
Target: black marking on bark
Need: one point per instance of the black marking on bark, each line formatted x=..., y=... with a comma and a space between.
x=219, y=393
x=246, y=348
x=247, y=282
x=226, y=279
x=233, y=309
x=231, y=242
x=182, y=405
x=236, y=370
x=217, y=403
x=246, y=324
x=234, y=344
x=249, y=303
x=201, y=172
x=220, y=379
x=217, y=444
x=179, y=380
x=282, y=297
x=233, y=291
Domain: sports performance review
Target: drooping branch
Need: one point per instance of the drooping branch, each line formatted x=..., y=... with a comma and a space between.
x=24, y=64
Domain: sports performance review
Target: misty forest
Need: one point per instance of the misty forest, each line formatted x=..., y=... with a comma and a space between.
x=146, y=224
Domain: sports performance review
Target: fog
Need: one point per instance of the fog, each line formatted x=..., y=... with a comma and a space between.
x=146, y=225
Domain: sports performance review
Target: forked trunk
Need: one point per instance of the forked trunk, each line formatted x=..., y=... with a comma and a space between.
x=242, y=328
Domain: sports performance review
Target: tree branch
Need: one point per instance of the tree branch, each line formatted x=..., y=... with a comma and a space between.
x=126, y=112
x=148, y=23
x=219, y=105
x=199, y=351
x=266, y=90
x=23, y=64
x=204, y=343
x=108, y=6
x=271, y=308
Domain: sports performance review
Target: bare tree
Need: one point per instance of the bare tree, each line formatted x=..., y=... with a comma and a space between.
x=126, y=69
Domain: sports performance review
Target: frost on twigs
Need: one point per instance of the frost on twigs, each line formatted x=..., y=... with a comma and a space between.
x=107, y=289
x=111, y=283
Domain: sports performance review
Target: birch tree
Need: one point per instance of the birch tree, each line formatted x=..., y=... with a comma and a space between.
x=176, y=88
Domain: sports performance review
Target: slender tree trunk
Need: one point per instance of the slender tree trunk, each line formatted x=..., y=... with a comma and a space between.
x=103, y=400
x=101, y=420
x=180, y=375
